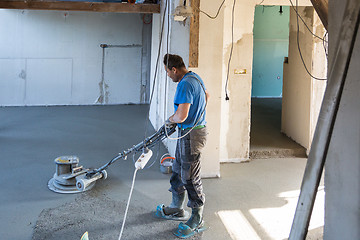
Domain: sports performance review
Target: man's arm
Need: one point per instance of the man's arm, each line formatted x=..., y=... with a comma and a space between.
x=181, y=113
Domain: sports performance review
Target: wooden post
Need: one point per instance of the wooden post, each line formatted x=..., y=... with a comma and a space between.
x=194, y=35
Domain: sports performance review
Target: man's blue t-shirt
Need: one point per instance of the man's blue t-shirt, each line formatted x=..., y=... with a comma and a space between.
x=190, y=90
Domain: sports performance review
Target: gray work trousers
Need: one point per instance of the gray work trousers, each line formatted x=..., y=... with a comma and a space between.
x=187, y=168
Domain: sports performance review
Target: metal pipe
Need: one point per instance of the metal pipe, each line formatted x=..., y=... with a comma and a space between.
x=326, y=121
x=121, y=46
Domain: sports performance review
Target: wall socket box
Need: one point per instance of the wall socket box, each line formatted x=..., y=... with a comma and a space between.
x=240, y=71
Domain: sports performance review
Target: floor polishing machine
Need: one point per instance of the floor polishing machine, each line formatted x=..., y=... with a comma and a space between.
x=69, y=177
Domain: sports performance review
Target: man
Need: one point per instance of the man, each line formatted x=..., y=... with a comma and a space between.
x=189, y=103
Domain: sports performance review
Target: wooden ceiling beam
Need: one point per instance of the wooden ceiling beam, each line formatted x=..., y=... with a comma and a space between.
x=321, y=7
x=81, y=6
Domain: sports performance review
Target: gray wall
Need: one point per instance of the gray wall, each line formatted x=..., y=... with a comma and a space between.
x=342, y=168
x=54, y=58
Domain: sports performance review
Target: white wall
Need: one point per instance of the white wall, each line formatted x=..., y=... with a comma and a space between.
x=209, y=68
x=162, y=106
x=54, y=57
x=235, y=113
x=319, y=69
x=175, y=40
x=295, y=121
x=302, y=95
x=228, y=121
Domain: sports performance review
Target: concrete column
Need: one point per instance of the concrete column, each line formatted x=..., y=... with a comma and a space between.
x=235, y=113
x=210, y=69
x=319, y=69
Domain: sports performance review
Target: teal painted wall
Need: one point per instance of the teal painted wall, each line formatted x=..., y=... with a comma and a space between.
x=271, y=44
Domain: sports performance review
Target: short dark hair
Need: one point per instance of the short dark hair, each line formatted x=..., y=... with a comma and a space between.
x=172, y=60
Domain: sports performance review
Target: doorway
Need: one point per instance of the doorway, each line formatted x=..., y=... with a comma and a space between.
x=271, y=44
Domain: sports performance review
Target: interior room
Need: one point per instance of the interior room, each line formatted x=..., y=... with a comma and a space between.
x=85, y=81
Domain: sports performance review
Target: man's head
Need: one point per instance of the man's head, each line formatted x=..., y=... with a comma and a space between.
x=174, y=66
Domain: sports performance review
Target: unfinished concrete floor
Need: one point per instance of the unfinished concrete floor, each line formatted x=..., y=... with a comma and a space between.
x=254, y=200
x=266, y=139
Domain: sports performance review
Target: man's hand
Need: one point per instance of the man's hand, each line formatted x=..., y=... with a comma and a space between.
x=168, y=123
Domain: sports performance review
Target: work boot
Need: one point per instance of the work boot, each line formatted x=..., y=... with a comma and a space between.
x=196, y=217
x=177, y=205
x=193, y=226
x=175, y=211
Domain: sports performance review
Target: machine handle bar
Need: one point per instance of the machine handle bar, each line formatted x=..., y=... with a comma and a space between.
x=149, y=142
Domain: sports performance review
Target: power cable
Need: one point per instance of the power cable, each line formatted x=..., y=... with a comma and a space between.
x=166, y=80
x=325, y=44
x=298, y=45
x=231, y=51
x=127, y=205
x=146, y=124
x=167, y=63
x=156, y=66
x=208, y=15
x=297, y=13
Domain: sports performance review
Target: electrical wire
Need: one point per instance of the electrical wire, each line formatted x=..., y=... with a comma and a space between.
x=297, y=13
x=156, y=66
x=167, y=65
x=166, y=86
x=325, y=44
x=298, y=45
x=208, y=15
x=127, y=205
x=231, y=51
x=146, y=124
x=166, y=78
x=133, y=157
